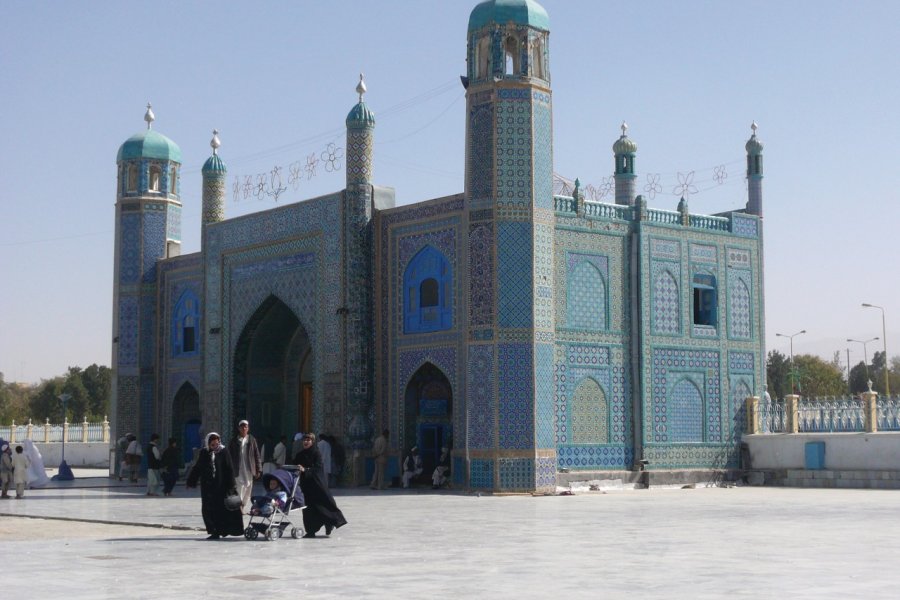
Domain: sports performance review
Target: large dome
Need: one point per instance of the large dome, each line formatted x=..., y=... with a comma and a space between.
x=149, y=144
x=520, y=12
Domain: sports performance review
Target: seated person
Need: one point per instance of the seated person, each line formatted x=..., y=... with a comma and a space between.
x=265, y=505
x=412, y=466
x=440, y=477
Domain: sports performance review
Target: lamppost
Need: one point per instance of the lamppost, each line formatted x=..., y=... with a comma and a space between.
x=791, y=337
x=64, y=473
x=865, y=353
x=887, y=379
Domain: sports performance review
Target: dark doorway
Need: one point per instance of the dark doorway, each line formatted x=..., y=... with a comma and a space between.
x=186, y=420
x=428, y=415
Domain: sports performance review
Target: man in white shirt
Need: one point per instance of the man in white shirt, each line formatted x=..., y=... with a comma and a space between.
x=279, y=455
x=247, y=462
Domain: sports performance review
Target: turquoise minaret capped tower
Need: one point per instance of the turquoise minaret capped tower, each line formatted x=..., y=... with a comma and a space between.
x=625, y=150
x=510, y=213
x=356, y=308
x=148, y=228
x=754, y=173
x=214, y=174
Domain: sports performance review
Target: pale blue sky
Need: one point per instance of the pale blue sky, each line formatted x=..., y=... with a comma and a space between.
x=277, y=79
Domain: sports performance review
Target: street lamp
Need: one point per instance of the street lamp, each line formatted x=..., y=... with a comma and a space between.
x=791, y=337
x=865, y=354
x=64, y=473
x=887, y=380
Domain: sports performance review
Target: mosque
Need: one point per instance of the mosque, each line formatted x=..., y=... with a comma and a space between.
x=539, y=336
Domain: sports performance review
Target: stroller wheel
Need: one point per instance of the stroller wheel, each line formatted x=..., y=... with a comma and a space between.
x=251, y=533
x=272, y=534
x=297, y=533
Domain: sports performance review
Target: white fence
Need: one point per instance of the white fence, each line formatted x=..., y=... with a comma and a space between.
x=55, y=432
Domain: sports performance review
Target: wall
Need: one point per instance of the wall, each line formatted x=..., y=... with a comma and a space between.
x=843, y=451
x=78, y=454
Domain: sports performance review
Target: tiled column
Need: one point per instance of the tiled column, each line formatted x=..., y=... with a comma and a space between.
x=792, y=413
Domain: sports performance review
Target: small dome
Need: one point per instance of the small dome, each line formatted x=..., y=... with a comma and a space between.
x=624, y=145
x=149, y=144
x=501, y=12
x=754, y=146
x=361, y=115
x=214, y=164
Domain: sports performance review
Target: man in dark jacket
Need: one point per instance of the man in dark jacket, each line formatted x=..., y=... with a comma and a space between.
x=247, y=462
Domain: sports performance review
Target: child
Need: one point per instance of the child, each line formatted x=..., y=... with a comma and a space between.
x=265, y=505
x=20, y=472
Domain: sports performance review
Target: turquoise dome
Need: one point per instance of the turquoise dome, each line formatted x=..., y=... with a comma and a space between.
x=361, y=115
x=149, y=144
x=520, y=12
x=624, y=145
x=214, y=164
x=754, y=146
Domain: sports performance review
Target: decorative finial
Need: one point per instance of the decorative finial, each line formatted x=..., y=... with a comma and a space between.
x=149, y=116
x=361, y=87
x=624, y=129
x=870, y=386
x=215, y=143
x=754, y=127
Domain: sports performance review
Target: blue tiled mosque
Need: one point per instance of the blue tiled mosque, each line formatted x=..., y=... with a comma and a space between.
x=539, y=336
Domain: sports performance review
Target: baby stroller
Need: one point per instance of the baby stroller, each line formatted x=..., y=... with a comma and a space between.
x=272, y=524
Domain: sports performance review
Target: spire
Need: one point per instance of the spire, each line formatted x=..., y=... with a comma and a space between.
x=215, y=143
x=149, y=116
x=754, y=173
x=624, y=150
x=361, y=87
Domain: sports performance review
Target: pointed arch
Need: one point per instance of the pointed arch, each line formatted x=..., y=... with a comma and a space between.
x=586, y=297
x=185, y=331
x=427, y=414
x=685, y=412
x=666, y=319
x=427, y=292
x=186, y=419
x=705, y=299
x=739, y=317
x=589, y=413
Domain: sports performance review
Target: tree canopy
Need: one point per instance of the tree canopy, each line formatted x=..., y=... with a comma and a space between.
x=89, y=389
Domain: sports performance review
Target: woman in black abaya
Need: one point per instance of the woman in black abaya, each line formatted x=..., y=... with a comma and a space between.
x=320, y=506
x=215, y=472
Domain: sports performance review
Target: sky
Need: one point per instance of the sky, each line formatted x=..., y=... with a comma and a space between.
x=277, y=79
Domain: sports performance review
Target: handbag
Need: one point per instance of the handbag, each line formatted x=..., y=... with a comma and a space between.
x=233, y=500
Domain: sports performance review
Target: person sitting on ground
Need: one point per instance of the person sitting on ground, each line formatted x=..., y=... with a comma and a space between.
x=412, y=466
x=440, y=477
x=265, y=505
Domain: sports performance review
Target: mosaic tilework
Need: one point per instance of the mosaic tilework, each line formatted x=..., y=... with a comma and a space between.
x=738, y=258
x=586, y=293
x=458, y=472
x=514, y=275
x=154, y=239
x=130, y=248
x=516, y=473
x=513, y=149
x=482, y=473
x=481, y=274
x=481, y=401
x=543, y=277
x=359, y=155
x=739, y=305
x=481, y=151
x=744, y=226
x=173, y=222
x=740, y=362
x=595, y=457
x=666, y=249
x=740, y=391
x=147, y=402
x=675, y=409
x=213, y=198
x=666, y=303
x=590, y=414
x=703, y=253
x=127, y=403
x=147, y=328
x=543, y=150
x=515, y=392
x=127, y=355
x=545, y=472
x=544, y=399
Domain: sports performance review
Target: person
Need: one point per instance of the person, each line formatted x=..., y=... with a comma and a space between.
x=412, y=466
x=297, y=444
x=37, y=474
x=121, y=464
x=379, y=451
x=133, y=457
x=321, y=508
x=6, y=469
x=279, y=455
x=247, y=462
x=338, y=459
x=154, y=463
x=324, y=447
x=171, y=464
x=215, y=473
x=440, y=477
x=20, y=472
x=265, y=505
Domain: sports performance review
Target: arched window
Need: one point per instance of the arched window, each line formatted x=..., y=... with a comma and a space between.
x=665, y=304
x=586, y=297
x=186, y=325
x=685, y=408
x=537, y=58
x=132, y=178
x=590, y=414
x=173, y=180
x=739, y=315
x=483, y=57
x=705, y=300
x=154, y=178
x=427, y=292
x=511, y=53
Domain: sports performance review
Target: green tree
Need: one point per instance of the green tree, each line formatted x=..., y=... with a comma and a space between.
x=777, y=374
x=817, y=378
x=858, y=378
x=97, y=380
x=44, y=402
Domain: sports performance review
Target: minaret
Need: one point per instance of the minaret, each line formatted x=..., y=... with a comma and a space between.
x=214, y=174
x=148, y=228
x=754, y=173
x=356, y=303
x=625, y=149
x=509, y=438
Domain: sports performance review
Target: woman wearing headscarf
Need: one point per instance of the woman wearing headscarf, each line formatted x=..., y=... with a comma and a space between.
x=320, y=506
x=215, y=472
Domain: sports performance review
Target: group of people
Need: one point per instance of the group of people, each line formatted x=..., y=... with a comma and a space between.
x=22, y=467
x=227, y=474
x=411, y=467
x=163, y=466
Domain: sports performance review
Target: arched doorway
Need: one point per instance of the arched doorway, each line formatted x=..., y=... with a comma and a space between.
x=273, y=374
x=186, y=420
x=428, y=415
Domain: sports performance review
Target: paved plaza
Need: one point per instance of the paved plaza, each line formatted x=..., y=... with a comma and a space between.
x=95, y=538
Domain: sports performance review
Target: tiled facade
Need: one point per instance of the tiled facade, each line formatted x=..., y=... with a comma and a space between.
x=530, y=333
